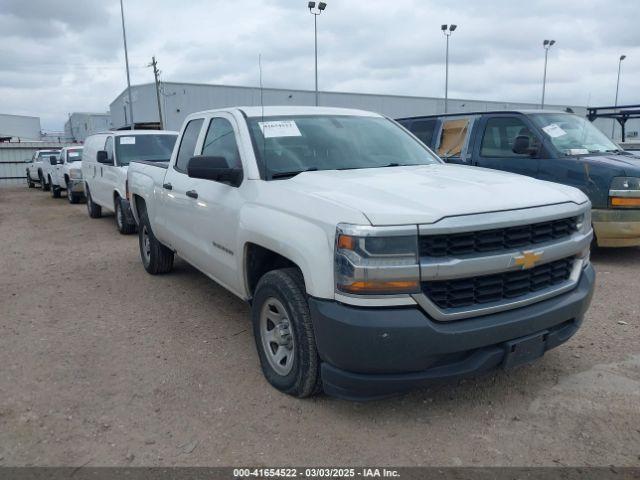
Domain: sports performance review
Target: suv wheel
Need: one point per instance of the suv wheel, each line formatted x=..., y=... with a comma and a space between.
x=156, y=258
x=284, y=335
x=124, y=227
x=95, y=210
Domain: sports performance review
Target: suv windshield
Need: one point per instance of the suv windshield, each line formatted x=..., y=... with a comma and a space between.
x=74, y=155
x=573, y=135
x=293, y=144
x=150, y=148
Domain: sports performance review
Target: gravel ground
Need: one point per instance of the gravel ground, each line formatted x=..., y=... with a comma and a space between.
x=103, y=364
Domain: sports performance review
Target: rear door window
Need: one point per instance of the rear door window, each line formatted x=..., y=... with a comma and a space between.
x=188, y=144
x=453, y=137
x=423, y=129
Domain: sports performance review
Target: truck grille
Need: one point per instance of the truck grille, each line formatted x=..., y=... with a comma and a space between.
x=494, y=288
x=509, y=238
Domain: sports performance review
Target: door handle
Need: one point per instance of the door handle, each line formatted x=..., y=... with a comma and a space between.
x=167, y=186
x=192, y=194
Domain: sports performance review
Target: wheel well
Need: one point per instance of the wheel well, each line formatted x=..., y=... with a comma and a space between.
x=139, y=203
x=260, y=260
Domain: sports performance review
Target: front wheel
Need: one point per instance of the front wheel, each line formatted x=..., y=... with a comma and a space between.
x=94, y=210
x=30, y=182
x=124, y=227
x=71, y=196
x=284, y=335
x=43, y=183
x=55, y=190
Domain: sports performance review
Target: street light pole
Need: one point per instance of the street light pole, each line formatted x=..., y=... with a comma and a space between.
x=547, y=44
x=126, y=59
x=447, y=30
x=315, y=12
x=613, y=127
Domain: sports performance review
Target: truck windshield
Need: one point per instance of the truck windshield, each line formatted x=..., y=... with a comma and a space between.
x=289, y=145
x=150, y=148
x=74, y=155
x=573, y=135
x=46, y=155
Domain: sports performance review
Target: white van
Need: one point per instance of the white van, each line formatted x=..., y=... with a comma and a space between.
x=67, y=174
x=105, y=161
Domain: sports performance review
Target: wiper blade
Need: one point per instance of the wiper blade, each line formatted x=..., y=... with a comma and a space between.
x=292, y=173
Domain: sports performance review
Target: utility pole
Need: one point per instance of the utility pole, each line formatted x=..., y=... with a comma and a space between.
x=447, y=30
x=126, y=59
x=156, y=74
x=315, y=12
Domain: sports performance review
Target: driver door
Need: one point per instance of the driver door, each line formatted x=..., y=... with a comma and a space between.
x=495, y=146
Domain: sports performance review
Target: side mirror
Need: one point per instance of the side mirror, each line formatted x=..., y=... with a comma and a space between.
x=102, y=157
x=214, y=168
x=53, y=160
x=522, y=146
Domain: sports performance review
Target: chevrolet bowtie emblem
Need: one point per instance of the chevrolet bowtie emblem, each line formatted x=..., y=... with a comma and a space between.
x=527, y=259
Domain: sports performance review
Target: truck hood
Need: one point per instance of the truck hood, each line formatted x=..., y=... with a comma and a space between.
x=428, y=193
x=629, y=163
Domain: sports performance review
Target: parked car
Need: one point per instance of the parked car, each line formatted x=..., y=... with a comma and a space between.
x=66, y=174
x=548, y=145
x=36, y=167
x=371, y=267
x=105, y=162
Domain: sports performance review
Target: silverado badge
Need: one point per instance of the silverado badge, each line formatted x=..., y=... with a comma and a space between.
x=528, y=259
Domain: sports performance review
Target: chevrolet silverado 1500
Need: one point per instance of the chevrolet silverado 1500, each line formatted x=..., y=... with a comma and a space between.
x=371, y=267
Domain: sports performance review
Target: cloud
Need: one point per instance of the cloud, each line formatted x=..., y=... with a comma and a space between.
x=63, y=56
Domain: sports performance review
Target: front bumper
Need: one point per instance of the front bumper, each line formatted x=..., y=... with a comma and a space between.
x=616, y=227
x=368, y=353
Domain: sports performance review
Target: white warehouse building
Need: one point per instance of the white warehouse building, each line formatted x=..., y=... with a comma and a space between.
x=181, y=99
x=178, y=100
x=82, y=124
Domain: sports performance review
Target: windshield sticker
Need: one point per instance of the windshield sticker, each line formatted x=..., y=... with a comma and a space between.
x=280, y=128
x=74, y=154
x=554, y=131
x=577, y=151
x=127, y=140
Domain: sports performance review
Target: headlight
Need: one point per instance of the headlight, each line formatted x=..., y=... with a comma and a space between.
x=376, y=260
x=75, y=174
x=625, y=192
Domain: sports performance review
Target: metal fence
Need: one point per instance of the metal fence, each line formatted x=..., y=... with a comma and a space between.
x=14, y=157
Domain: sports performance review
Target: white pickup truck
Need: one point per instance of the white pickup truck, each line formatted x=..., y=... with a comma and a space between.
x=67, y=174
x=371, y=267
x=39, y=164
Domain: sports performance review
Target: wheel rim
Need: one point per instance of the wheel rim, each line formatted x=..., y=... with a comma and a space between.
x=146, y=244
x=277, y=337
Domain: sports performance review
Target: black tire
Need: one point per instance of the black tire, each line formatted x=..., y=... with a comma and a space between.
x=30, y=182
x=156, y=258
x=124, y=227
x=287, y=286
x=94, y=210
x=43, y=183
x=55, y=190
x=71, y=196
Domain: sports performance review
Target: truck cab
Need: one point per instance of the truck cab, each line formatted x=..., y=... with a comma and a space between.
x=548, y=145
x=38, y=168
x=105, y=161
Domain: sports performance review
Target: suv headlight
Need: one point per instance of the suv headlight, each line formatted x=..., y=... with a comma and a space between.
x=377, y=260
x=624, y=192
x=75, y=174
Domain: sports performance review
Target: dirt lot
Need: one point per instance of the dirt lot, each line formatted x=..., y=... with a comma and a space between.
x=103, y=364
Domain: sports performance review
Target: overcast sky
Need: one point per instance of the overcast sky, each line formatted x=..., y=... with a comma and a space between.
x=66, y=55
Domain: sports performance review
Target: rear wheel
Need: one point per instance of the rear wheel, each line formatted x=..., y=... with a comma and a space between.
x=124, y=227
x=284, y=334
x=43, y=183
x=156, y=258
x=95, y=210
